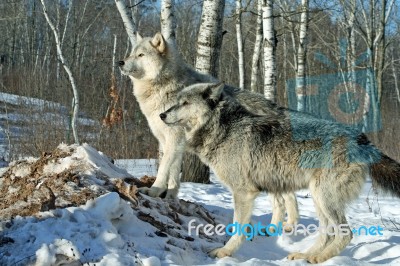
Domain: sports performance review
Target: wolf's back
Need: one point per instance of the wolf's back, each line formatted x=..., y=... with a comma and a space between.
x=386, y=175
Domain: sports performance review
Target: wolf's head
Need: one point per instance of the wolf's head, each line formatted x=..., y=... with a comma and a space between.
x=195, y=106
x=147, y=58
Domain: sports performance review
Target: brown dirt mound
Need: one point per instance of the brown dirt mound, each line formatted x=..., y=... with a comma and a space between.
x=26, y=189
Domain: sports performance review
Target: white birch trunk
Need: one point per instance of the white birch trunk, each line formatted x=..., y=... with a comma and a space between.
x=369, y=36
x=269, y=50
x=128, y=21
x=349, y=7
x=380, y=44
x=285, y=62
x=210, y=36
x=301, y=57
x=257, y=48
x=394, y=73
x=168, y=23
x=352, y=40
x=209, y=43
x=113, y=55
x=75, y=105
x=239, y=39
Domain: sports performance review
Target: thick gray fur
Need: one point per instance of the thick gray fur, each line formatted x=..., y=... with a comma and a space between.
x=158, y=75
x=280, y=152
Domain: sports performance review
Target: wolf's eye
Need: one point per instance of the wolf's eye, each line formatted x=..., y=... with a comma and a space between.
x=185, y=103
x=141, y=55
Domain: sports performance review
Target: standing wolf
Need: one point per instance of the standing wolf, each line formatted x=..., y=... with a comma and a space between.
x=158, y=74
x=252, y=153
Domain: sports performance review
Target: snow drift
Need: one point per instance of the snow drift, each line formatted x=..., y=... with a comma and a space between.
x=74, y=206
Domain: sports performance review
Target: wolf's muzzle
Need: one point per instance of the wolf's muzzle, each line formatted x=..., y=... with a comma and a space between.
x=163, y=116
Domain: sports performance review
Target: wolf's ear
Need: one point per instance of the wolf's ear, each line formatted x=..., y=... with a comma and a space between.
x=159, y=43
x=139, y=37
x=214, y=91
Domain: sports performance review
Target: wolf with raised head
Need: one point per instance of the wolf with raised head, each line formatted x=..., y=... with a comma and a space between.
x=252, y=153
x=158, y=75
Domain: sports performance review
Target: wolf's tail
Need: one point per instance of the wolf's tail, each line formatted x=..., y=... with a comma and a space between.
x=386, y=175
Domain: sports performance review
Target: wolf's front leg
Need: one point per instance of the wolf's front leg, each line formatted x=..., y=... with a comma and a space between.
x=168, y=171
x=243, y=207
x=174, y=171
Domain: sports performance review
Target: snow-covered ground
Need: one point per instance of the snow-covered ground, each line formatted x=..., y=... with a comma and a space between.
x=107, y=231
x=19, y=114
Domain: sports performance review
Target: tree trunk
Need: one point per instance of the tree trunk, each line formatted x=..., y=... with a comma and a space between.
x=285, y=62
x=394, y=73
x=269, y=50
x=168, y=23
x=257, y=48
x=129, y=25
x=349, y=8
x=209, y=40
x=380, y=44
x=301, y=57
x=239, y=39
x=374, y=36
x=75, y=100
x=209, y=44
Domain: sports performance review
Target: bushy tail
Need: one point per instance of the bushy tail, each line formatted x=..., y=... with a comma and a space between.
x=386, y=175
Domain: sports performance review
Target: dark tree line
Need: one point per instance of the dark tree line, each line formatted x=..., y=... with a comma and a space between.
x=342, y=37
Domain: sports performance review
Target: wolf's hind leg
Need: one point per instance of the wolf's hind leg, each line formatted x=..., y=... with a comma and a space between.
x=278, y=208
x=243, y=208
x=322, y=241
x=337, y=242
x=292, y=208
x=283, y=201
x=332, y=201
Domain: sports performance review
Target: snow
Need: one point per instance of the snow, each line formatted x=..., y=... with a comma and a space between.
x=16, y=100
x=86, y=153
x=107, y=230
x=21, y=113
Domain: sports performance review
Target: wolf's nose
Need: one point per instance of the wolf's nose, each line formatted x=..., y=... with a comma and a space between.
x=121, y=63
x=163, y=116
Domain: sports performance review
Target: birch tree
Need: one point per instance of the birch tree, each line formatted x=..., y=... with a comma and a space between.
x=209, y=40
x=64, y=31
x=209, y=43
x=301, y=57
x=75, y=101
x=373, y=33
x=269, y=40
x=126, y=16
x=350, y=17
x=239, y=38
x=257, y=48
x=380, y=43
x=394, y=73
x=168, y=23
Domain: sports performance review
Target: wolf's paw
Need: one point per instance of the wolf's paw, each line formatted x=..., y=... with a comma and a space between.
x=317, y=258
x=220, y=253
x=153, y=191
x=288, y=227
x=172, y=193
x=297, y=256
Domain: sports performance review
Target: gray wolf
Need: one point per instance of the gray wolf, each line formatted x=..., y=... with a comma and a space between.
x=158, y=75
x=252, y=153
